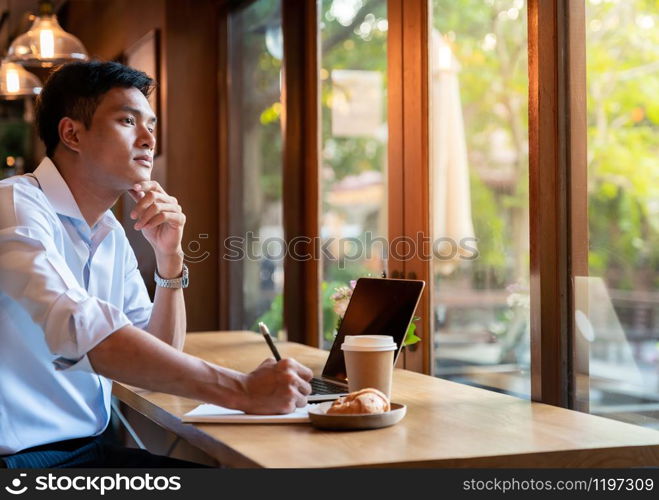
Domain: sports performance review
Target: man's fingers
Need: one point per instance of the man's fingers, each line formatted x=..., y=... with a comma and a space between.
x=268, y=362
x=171, y=218
x=283, y=386
x=151, y=198
x=298, y=394
x=153, y=210
x=148, y=186
x=292, y=364
x=305, y=372
x=304, y=387
x=294, y=381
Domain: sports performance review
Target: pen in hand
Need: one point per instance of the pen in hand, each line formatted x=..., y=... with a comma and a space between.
x=268, y=339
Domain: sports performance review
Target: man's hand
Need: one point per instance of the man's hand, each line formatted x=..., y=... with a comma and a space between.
x=160, y=218
x=277, y=387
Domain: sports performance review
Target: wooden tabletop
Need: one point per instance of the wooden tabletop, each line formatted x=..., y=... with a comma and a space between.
x=447, y=424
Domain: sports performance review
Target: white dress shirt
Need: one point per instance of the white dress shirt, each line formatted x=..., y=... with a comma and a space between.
x=64, y=287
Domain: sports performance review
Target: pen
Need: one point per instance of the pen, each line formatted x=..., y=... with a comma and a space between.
x=268, y=339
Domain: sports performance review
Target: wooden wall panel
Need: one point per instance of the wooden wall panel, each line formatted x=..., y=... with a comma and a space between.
x=191, y=36
x=188, y=164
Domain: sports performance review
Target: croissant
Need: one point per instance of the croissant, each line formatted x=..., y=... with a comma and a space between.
x=367, y=400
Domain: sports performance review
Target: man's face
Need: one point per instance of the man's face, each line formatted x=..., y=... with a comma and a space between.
x=117, y=150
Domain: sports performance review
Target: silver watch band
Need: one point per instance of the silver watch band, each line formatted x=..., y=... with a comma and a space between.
x=181, y=282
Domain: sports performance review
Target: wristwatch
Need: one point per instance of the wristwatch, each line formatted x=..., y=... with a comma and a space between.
x=181, y=282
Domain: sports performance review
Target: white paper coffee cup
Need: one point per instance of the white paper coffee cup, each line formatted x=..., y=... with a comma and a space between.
x=369, y=361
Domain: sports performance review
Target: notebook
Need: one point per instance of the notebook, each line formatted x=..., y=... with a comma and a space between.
x=378, y=306
x=207, y=413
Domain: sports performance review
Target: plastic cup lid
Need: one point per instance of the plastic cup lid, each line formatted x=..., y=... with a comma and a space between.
x=368, y=343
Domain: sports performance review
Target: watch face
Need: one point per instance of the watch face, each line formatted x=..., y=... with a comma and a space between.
x=184, y=278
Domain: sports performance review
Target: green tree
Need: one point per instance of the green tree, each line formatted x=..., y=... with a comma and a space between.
x=623, y=142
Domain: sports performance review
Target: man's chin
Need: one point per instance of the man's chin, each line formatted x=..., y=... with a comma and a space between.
x=128, y=188
x=139, y=179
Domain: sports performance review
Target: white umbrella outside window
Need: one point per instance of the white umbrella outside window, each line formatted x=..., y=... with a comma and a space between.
x=451, y=196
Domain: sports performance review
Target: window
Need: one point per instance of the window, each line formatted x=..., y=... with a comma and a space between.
x=479, y=161
x=617, y=304
x=353, y=160
x=16, y=137
x=460, y=120
x=255, y=163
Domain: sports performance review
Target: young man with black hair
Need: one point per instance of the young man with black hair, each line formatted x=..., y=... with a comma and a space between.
x=74, y=311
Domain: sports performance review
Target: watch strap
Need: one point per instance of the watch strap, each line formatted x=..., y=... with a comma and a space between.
x=180, y=282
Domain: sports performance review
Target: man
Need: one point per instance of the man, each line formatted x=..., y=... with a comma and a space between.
x=74, y=311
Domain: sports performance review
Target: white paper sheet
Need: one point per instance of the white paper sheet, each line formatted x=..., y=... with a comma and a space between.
x=207, y=413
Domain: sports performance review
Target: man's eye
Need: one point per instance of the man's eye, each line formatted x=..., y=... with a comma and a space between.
x=129, y=120
x=151, y=130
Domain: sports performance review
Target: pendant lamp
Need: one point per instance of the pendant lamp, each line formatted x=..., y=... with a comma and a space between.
x=46, y=44
x=16, y=81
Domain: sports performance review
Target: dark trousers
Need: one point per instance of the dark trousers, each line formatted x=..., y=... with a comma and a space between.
x=88, y=452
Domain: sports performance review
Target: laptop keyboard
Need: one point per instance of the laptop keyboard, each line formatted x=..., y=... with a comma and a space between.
x=320, y=386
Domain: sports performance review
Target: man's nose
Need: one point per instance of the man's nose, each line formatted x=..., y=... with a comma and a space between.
x=147, y=139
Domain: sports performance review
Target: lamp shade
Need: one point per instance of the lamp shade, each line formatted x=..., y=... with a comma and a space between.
x=46, y=44
x=16, y=81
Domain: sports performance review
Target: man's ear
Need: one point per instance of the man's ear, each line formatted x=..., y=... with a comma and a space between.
x=69, y=133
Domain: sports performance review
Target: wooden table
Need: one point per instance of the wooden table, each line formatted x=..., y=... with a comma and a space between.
x=447, y=424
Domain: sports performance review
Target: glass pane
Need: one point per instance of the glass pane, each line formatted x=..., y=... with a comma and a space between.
x=16, y=137
x=617, y=305
x=479, y=168
x=353, y=86
x=256, y=52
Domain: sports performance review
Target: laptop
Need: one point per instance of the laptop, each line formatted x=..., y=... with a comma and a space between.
x=378, y=306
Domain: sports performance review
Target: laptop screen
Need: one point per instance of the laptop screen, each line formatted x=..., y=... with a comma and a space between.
x=378, y=306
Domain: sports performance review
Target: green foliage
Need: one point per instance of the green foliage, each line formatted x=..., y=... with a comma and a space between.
x=489, y=40
x=342, y=48
x=410, y=337
x=488, y=226
x=623, y=143
x=273, y=317
x=623, y=138
x=330, y=318
x=623, y=121
x=344, y=274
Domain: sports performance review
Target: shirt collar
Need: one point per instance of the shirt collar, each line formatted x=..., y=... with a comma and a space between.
x=59, y=195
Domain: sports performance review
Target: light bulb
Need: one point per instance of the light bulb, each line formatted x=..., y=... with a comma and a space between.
x=47, y=44
x=13, y=83
x=16, y=81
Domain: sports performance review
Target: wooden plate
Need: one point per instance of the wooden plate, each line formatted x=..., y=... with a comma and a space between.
x=319, y=418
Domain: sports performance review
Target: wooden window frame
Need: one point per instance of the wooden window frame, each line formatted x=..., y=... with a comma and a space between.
x=300, y=187
x=302, y=303
x=558, y=196
x=230, y=190
x=557, y=178
x=409, y=173
x=557, y=175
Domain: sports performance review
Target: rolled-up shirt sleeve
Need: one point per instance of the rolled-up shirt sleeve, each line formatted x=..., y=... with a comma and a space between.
x=137, y=304
x=35, y=274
